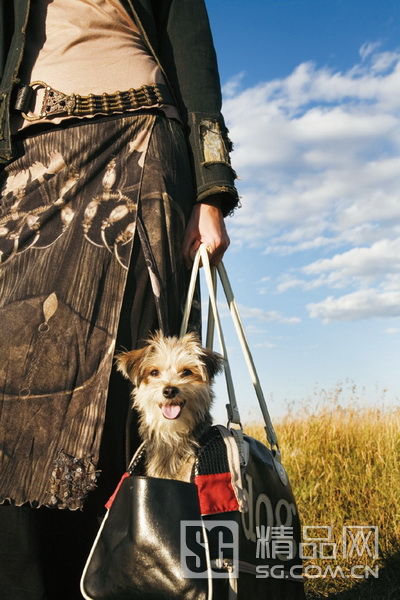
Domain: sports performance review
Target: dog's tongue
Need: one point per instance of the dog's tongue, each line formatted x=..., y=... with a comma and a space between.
x=171, y=411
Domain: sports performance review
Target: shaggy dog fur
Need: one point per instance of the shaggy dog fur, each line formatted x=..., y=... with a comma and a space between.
x=172, y=392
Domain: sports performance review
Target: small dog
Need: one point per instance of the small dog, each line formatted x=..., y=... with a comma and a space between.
x=172, y=380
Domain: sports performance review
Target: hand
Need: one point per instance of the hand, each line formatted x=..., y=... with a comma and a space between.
x=206, y=225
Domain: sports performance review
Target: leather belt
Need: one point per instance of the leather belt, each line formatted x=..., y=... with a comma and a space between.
x=59, y=103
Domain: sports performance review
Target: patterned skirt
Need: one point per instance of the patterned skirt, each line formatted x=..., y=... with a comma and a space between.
x=71, y=206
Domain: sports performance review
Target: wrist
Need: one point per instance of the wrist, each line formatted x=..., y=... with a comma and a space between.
x=214, y=201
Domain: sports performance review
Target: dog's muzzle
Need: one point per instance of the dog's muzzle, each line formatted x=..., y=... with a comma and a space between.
x=172, y=409
x=170, y=391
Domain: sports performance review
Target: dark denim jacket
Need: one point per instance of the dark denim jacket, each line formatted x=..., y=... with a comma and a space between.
x=178, y=35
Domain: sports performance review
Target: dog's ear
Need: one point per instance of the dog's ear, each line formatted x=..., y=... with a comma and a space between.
x=213, y=362
x=129, y=364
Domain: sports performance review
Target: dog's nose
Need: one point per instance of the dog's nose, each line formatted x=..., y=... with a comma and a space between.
x=170, y=391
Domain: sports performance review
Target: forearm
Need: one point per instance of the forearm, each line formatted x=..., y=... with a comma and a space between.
x=188, y=46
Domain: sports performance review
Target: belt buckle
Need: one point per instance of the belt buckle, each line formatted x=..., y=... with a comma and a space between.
x=54, y=102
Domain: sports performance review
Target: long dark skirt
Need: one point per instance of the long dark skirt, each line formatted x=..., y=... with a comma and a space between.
x=91, y=226
x=72, y=205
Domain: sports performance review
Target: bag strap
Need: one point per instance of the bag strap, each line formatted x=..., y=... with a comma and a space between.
x=214, y=320
x=232, y=407
x=271, y=435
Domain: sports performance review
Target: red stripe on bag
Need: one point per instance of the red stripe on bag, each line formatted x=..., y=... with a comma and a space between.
x=112, y=498
x=216, y=493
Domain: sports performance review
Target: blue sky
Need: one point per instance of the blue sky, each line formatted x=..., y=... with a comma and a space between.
x=312, y=101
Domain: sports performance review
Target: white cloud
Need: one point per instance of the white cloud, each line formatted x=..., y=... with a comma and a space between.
x=318, y=155
x=253, y=329
x=267, y=345
x=359, y=267
x=265, y=316
x=368, y=48
x=285, y=249
x=249, y=313
x=231, y=87
x=317, y=151
x=391, y=282
x=362, y=304
x=384, y=61
x=375, y=261
x=287, y=283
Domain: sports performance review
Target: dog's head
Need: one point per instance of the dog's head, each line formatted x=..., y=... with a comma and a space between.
x=172, y=378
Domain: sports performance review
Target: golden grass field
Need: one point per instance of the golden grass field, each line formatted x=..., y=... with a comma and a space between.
x=344, y=467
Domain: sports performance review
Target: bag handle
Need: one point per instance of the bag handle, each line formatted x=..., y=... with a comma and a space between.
x=233, y=410
x=214, y=320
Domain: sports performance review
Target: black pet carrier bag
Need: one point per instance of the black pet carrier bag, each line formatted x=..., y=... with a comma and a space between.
x=231, y=534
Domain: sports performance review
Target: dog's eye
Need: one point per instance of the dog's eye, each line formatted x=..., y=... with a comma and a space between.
x=186, y=373
x=154, y=372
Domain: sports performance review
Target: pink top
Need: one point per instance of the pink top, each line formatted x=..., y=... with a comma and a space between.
x=83, y=47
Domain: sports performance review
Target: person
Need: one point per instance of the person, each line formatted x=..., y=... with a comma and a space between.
x=115, y=167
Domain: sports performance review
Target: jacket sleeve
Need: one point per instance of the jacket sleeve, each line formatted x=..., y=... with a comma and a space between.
x=13, y=20
x=186, y=46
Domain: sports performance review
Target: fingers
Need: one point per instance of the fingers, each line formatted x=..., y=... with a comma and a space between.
x=217, y=249
x=193, y=249
x=205, y=226
x=190, y=241
x=189, y=248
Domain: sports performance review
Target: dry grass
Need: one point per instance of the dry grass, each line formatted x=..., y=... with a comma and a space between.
x=344, y=467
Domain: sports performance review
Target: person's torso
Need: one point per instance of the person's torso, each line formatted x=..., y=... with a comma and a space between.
x=86, y=47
